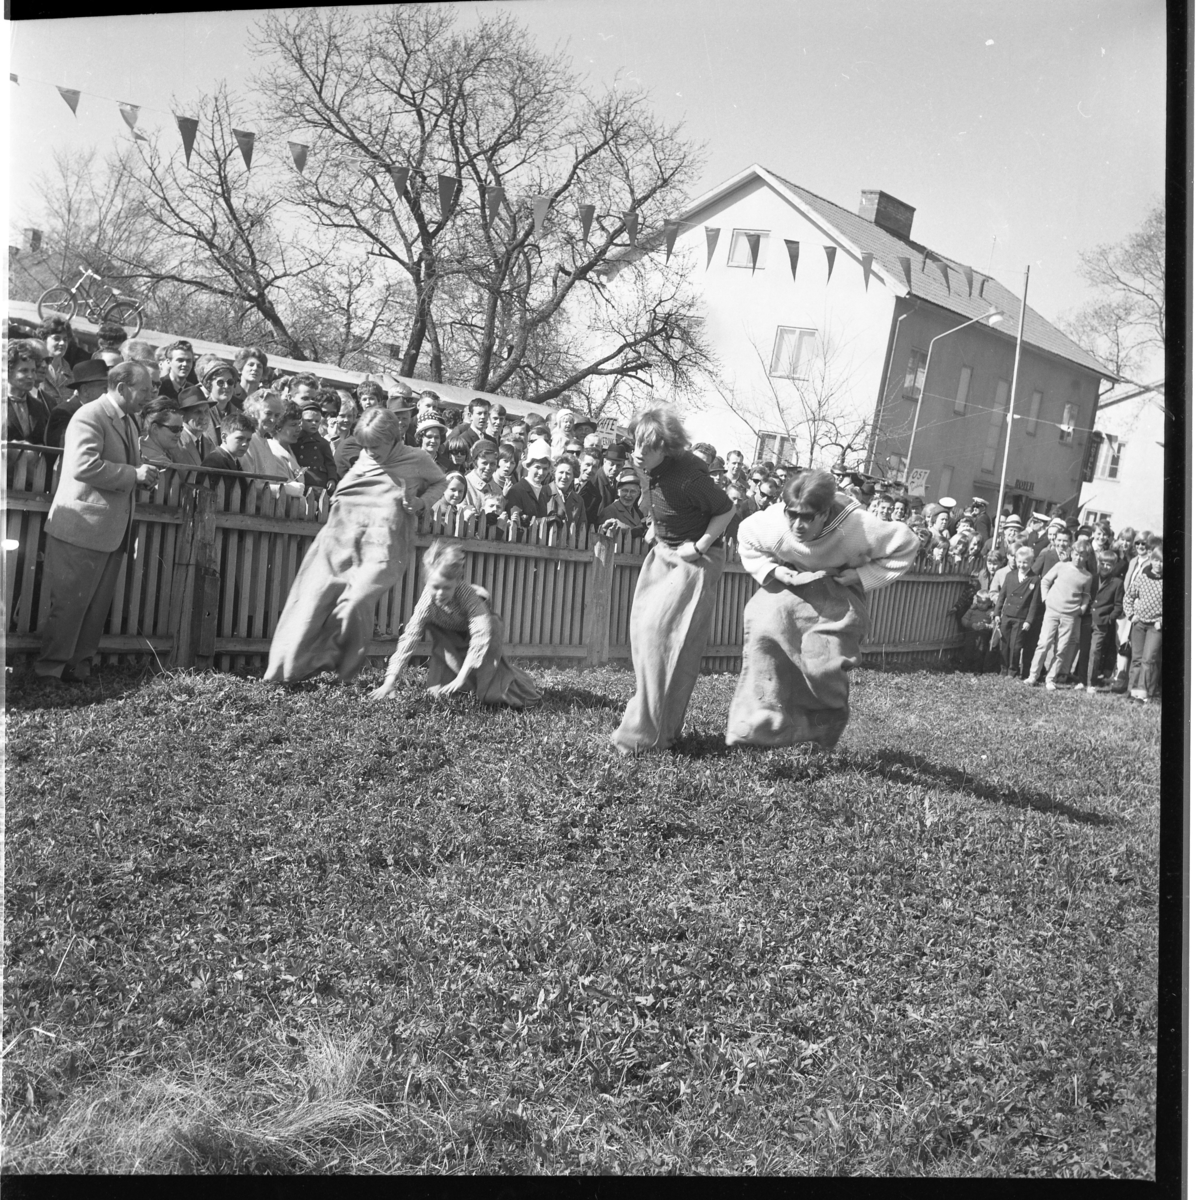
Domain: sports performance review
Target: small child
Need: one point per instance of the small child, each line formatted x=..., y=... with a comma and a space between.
x=1018, y=607
x=1107, y=606
x=1066, y=593
x=236, y=431
x=453, y=501
x=468, y=649
x=977, y=621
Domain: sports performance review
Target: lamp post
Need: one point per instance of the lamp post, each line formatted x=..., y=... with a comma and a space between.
x=993, y=316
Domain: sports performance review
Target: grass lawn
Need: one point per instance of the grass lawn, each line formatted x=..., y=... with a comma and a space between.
x=261, y=929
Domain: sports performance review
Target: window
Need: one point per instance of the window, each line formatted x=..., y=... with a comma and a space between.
x=739, y=248
x=1093, y=517
x=1066, y=431
x=914, y=377
x=964, y=386
x=1035, y=411
x=995, y=424
x=775, y=447
x=1109, y=467
x=790, y=344
x=945, y=481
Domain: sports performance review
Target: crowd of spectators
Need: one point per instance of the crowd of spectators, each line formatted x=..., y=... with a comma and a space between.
x=1028, y=606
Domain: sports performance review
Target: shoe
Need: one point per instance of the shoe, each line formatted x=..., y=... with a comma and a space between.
x=1091, y=691
x=1051, y=686
x=1029, y=682
x=1118, y=688
x=1138, y=694
x=1079, y=688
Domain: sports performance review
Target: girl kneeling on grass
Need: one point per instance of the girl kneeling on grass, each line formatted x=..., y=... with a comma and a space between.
x=468, y=646
x=815, y=555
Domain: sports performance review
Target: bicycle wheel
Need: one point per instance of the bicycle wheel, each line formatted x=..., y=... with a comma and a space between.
x=57, y=300
x=127, y=313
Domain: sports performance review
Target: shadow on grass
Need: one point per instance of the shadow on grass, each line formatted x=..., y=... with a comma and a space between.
x=27, y=692
x=915, y=770
x=570, y=696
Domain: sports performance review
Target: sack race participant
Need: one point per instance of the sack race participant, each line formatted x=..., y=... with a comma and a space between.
x=468, y=641
x=359, y=554
x=816, y=555
x=677, y=587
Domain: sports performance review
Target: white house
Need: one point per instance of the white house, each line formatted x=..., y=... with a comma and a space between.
x=1126, y=484
x=824, y=321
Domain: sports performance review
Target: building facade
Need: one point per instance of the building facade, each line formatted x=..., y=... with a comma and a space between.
x=823, y=321
x=1125, y=484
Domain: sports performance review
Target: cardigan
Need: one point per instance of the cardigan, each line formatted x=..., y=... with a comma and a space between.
x=881, y=550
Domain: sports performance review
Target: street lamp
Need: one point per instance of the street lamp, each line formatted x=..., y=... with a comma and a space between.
x=993, y=317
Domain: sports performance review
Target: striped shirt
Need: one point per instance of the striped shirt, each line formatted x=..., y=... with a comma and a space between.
x=683, y=499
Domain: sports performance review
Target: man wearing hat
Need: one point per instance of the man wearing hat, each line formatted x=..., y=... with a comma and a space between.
x=625, y=512
x=601, y=490
x=530, y=497
x=716, y=471
x=198, y=433
x=90, y=381
x=583, y=427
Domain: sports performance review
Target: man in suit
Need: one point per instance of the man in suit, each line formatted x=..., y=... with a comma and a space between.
x=90, y=379
x=91, y=516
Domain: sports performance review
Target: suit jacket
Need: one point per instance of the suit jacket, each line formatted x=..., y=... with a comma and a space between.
x=39, y=416
x=60, y=416
x=597, y=494
x=93, y=505
x=1021, y=598
x=524, y=503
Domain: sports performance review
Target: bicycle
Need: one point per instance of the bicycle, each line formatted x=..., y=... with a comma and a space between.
x=121, y=310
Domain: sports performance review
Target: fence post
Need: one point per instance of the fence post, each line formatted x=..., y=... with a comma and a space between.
x=196, y=583
x=597, y=603
x=183, y=584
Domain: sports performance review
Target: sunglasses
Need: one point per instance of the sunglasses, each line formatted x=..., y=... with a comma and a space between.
x=1142, y=544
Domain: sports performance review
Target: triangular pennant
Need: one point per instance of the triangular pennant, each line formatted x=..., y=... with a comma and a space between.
x=14, y=79
x=139, y=136
x=867, y=259
x=754, y=241
x=711, y=236
x=246, y=142
x=970, y=278
x=187, y=131
x=495, y=194
x=945, y=270
x=446, y=186
x=672, y=228
x=541, y=206
x=299, y=155
x=924, y=260
x=906, y=267
x=793, y=249
x=130, y=113
x=399, y=180
x=982, y=280
x=631, y=225
x=71, y=96
x=830, y=254
x=586, y=214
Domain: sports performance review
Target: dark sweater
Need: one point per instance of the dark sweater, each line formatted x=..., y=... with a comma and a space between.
x=314, y=454
x=683, y=499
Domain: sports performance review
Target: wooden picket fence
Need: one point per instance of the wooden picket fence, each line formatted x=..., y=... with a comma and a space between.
x=211, y=568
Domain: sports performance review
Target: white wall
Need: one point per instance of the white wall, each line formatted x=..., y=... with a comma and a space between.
x=1135, y=497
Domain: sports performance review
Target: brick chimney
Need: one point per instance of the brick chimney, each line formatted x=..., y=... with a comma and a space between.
x=887, y=212
x=33, y=240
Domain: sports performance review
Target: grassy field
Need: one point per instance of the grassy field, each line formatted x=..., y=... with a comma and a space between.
x=254, y=929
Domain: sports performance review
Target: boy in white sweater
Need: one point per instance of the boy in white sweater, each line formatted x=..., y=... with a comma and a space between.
x=1067, y=595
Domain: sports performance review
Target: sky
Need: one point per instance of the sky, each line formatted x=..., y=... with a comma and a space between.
x=1022, y=132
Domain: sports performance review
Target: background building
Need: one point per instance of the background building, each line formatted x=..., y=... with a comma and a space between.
x=1128, y=468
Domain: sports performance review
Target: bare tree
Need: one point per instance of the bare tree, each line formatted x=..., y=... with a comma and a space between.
x=811, y=403
x=494, y=303
x=1126, y=323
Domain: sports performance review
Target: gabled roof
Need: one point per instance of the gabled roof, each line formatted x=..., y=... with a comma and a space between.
x=927, y=281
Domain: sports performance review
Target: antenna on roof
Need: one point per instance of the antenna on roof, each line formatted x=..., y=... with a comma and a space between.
x=992, y=255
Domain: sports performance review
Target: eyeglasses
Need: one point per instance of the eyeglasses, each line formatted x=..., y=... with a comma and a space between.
x=1142, y=544
x=172, y=428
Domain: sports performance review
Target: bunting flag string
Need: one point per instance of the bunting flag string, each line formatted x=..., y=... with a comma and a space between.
x=867, y=259
x=754, y=241
x=495, y=194
x=541, y=206
x=71, y=96
x=299, y=155
x=906, y=267
x=970, y=275
x=130, y=114
x=672, y=228
x=245, y=142
x=830, y=254
x=631, y=225
x=14, y=79
x=187, y=131
x=793, y=249
x=446, y=186
x=587, y=213
x=945, y=270
x=712, y=236
x=399, y=180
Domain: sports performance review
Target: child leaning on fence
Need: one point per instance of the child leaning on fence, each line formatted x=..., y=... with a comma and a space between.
x=468, y=647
